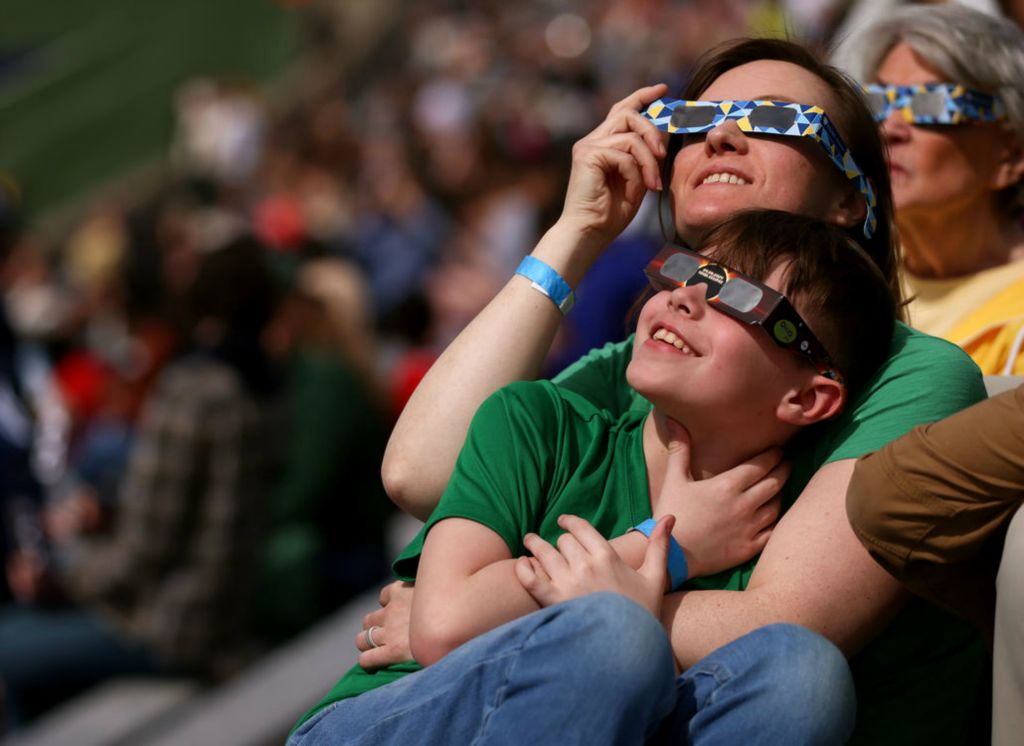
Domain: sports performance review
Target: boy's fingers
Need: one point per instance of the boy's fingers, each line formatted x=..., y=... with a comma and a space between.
x=549, y=558
x=678, y=463
x=588, y=536
x=761, y=540
x=764, y=464
x=538, y=570
x=572, y=550
x=525, y=572
x=655, y=563
x=539, y=574
x=768, y=513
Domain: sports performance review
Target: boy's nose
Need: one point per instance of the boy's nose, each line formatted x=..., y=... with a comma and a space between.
x=690, y=301
x=726, y=138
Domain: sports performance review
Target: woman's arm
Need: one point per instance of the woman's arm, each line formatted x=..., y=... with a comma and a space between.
x=813, y=572
x=613, y=167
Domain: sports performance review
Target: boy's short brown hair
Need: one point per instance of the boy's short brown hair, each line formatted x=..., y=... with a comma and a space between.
x=834, y=285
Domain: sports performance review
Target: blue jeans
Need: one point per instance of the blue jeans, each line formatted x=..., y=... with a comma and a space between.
x=599, y=670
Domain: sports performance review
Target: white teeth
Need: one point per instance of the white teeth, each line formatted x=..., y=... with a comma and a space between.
x=664, y=335
x=724, y=178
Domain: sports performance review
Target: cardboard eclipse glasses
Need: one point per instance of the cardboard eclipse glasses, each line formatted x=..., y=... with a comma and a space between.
x=743, y=298
x=778, y=118
x=933, y=103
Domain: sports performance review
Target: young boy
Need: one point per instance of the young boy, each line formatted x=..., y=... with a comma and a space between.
x=718, y=352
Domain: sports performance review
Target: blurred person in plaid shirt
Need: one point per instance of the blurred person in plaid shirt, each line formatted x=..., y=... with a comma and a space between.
x=168, y=590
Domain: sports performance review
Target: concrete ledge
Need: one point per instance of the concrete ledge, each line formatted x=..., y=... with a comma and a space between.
x=262, y=703
x=109, y=714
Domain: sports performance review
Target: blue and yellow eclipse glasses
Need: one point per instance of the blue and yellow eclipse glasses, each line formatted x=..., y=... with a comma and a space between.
x=776, y=118
x=933, y=103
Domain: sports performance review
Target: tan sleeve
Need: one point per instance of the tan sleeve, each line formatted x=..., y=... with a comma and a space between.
x=933, y=506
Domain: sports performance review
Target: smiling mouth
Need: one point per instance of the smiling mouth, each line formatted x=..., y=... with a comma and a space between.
x=724, y=178
x=668, y=337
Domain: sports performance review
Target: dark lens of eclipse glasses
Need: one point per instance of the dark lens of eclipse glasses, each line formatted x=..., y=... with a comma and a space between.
x=877, y=103
x=693, y=116
x=927, y=104
x=735, y=293
x=775, y=117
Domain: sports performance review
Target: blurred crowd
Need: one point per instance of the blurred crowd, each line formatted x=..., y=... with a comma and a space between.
x=198, y=377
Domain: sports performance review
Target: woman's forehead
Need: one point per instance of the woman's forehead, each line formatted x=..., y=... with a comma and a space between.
x=903, y=65
x=770, y=79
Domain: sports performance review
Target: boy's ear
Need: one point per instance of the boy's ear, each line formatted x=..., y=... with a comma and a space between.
x=817, y=400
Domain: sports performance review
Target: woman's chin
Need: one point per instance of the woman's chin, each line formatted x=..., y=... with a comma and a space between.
x=695, y=223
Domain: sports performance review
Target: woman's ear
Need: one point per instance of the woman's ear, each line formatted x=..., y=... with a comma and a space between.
x=1010, y=168
x=819, y=399
x=850, y=209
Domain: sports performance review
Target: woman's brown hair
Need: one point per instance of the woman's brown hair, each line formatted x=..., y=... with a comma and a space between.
x=848, y=111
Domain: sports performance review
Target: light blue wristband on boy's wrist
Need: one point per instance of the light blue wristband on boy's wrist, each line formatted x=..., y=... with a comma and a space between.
x=547, y=281
x=678, y=571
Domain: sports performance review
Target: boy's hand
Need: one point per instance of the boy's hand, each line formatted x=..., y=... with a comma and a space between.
x=585, y=562
x=726, y=519
x=391, y=628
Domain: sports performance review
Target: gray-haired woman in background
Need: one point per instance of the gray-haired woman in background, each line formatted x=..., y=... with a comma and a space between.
x=947, y=85
x=933, y=507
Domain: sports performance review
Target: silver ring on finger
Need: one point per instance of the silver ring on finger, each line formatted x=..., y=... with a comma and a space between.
x=369, y=637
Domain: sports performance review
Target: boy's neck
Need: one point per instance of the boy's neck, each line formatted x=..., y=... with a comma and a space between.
x=714, y=449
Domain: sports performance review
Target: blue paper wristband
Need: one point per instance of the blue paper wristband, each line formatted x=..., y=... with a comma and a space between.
x=549, y=282
x=678, y=570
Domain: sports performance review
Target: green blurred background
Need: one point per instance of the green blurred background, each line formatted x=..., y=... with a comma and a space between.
x=86, y=88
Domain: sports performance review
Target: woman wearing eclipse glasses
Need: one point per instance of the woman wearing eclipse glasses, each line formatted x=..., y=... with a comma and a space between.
x=917, y=678
x=933, y=506
x=947, y=86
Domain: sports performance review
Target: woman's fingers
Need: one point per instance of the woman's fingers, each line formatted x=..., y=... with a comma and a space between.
x=612, y=161
x=625, y=116
x=363, y=638
x=646, y=156
x=638, y=148
x=374, y=617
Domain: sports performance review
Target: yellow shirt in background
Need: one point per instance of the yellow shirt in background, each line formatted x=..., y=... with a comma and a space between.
x=982, y=313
